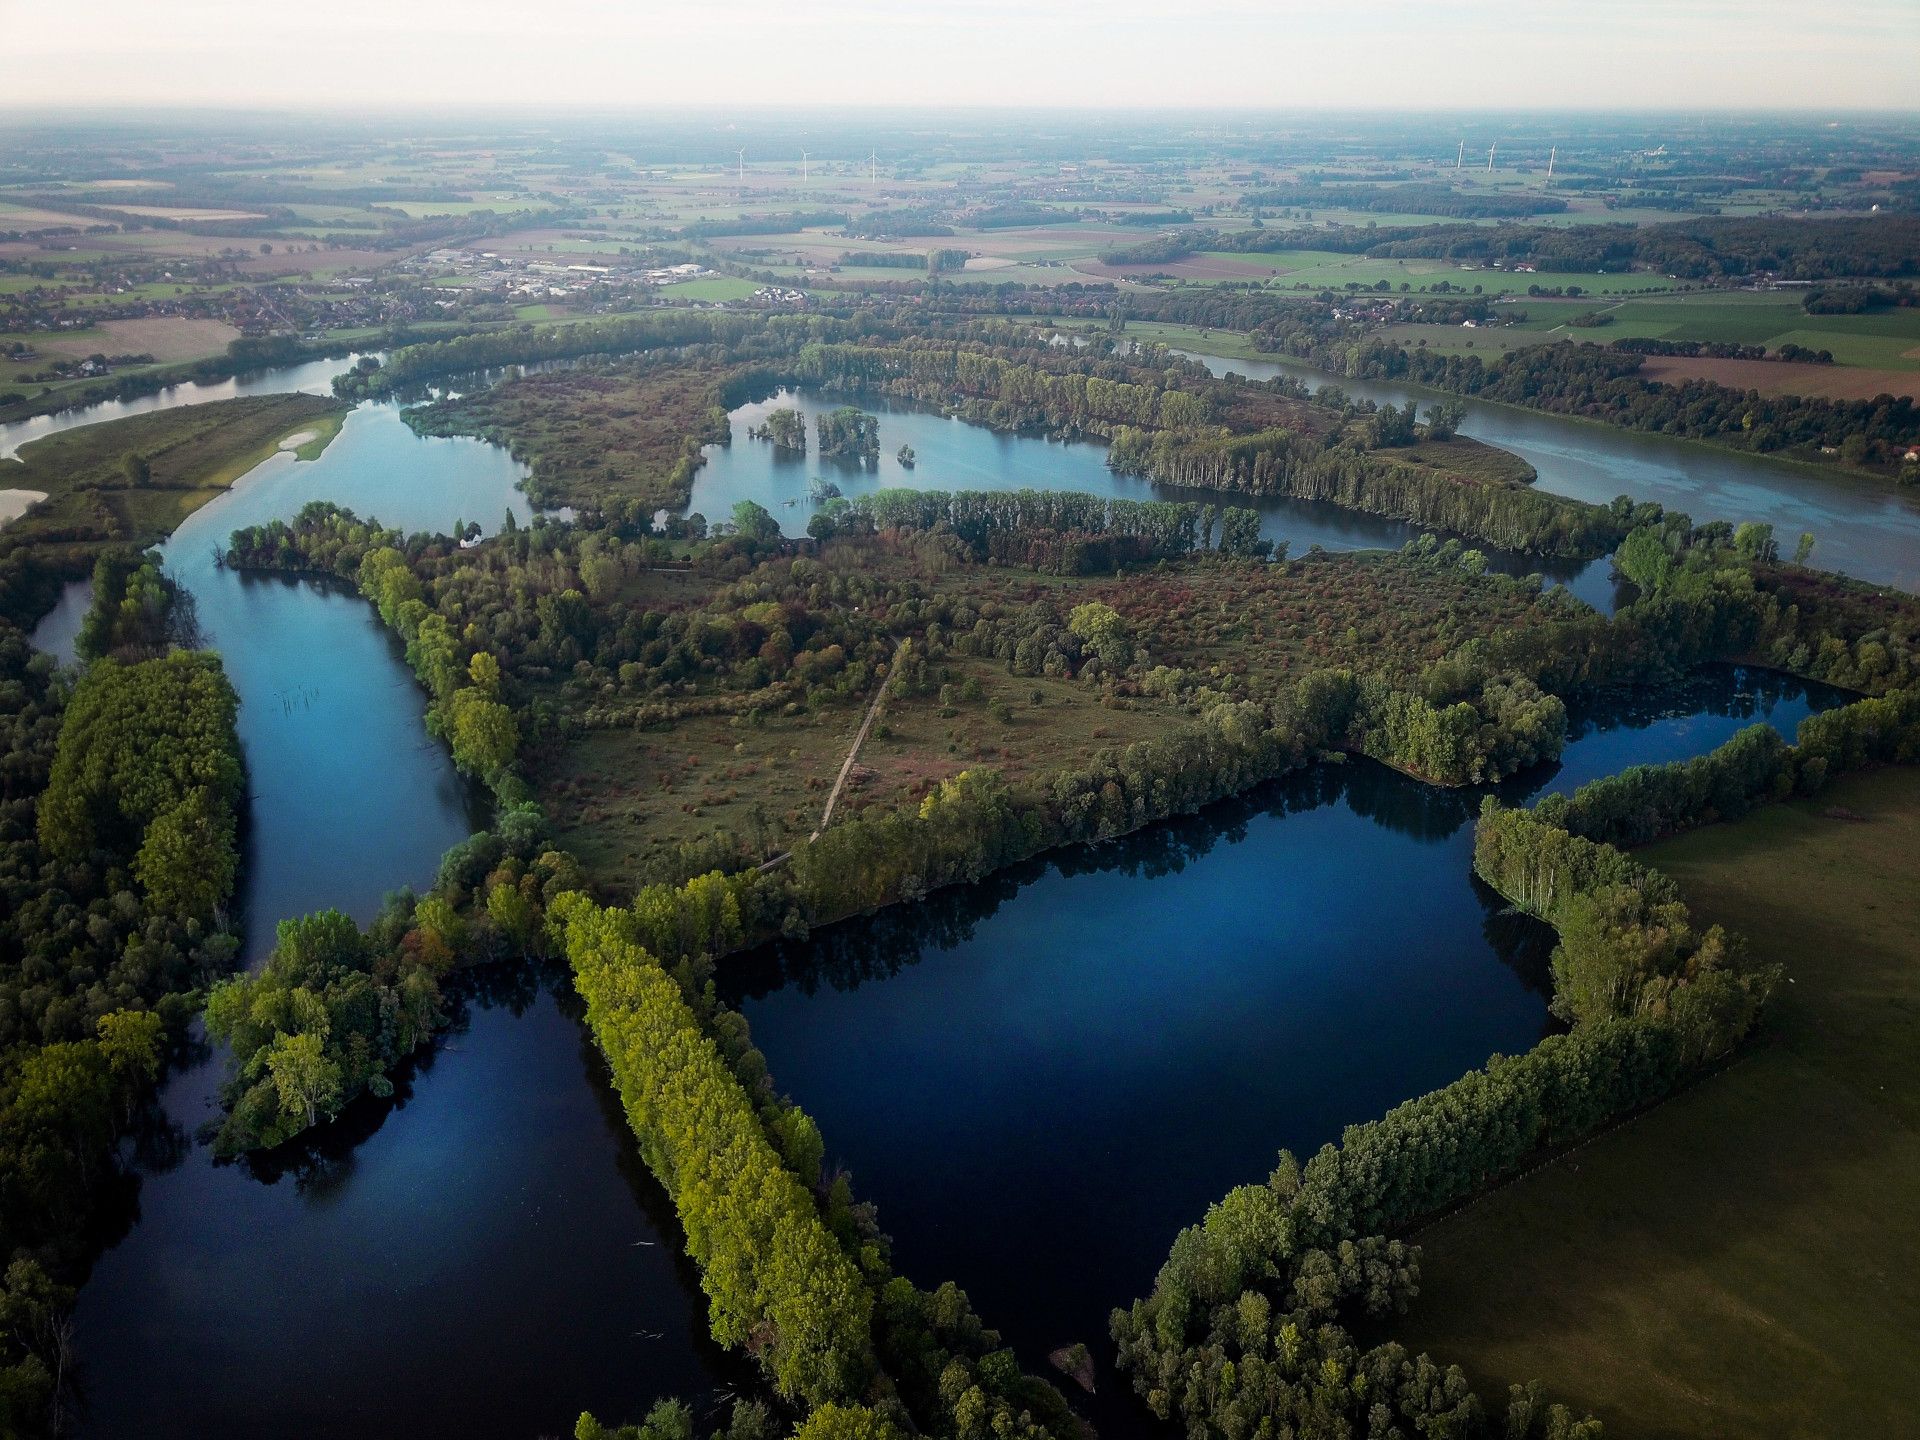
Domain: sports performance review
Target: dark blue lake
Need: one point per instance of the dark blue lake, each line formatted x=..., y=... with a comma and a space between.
x=1042, y=1078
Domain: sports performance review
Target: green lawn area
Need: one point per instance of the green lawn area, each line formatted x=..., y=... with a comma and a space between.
x=1328, y=269
x=1879, y=341
x=1740, y=1261
x=717, y=287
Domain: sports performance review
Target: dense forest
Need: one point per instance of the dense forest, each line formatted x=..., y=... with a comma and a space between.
x=119, y=807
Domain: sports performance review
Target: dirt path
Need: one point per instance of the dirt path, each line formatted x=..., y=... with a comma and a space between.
x=846, y=766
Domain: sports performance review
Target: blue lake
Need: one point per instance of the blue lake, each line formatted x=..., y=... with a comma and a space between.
x=1040, y=1079
x=950, y=454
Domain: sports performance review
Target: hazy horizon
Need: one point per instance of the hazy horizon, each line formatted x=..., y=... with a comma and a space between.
x=1256, y=55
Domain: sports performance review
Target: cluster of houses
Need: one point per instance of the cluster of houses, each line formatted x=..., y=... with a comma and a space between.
x=774, y=296
x=552, y=278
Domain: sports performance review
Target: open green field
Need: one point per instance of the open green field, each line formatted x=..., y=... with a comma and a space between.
x=1738, y=1262
x=192, y=453
x=1328, y=269
x=1885, y=340
x=714, y=287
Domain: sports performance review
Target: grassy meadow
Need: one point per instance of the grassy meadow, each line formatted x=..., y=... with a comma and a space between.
x=1737, y=1264
x=193, y=453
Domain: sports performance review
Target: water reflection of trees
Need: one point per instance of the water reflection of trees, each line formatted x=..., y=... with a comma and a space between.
x=878, y=946
x=322, y=1161
x=881, y=945
x=1742, y=692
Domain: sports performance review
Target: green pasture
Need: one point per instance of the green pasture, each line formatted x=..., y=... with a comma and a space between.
x=1737, y=1264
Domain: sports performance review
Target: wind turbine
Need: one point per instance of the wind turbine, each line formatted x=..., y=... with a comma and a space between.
x=743, y=165
x=873, y=167
x=1461, y=156
x=803, y=167
x=1490, y=149
x=1555, y=150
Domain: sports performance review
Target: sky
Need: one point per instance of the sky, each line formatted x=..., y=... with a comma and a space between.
x=1238, y=54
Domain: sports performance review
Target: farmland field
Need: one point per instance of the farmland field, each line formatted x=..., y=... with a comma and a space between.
x=1770, y=377
x=1738, y=1262
x=1327, y=269
x=166, y=338
x=1888, y=339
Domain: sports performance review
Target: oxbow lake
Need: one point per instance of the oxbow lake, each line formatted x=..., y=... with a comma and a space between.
x=1039, y=1079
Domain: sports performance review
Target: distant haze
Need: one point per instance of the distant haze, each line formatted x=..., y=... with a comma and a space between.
x=1270, y=54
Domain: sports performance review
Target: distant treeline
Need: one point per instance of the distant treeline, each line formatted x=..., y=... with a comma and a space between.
x=1409, y=199
x=780, y=224
x=1697, y=249
x=1604, y=384
x=1720, y=350
x=1161, y=250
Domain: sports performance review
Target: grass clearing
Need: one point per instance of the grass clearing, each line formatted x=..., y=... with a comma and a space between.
x=1737, y=1263
x=168, y=338
x=617, y=794
x=714, y=288
x=193, y=452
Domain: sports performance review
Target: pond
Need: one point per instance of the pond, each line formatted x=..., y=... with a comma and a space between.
x=951, y=454
x=1863, y=528
x=1041, y=1078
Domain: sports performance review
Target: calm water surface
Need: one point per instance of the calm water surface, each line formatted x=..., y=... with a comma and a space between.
x=1861, y=528
x=485, y=1255
x=951, y=454
x=313, y=378
x=1042, y=1078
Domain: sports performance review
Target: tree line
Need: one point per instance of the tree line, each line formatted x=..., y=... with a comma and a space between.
x=1649, y=802
x=119, y=801
x=1247, y=1322
x=1700, y=248
x=1604, y=383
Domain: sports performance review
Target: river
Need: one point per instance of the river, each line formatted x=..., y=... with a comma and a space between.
x=315, y=377
x=1863, y=528
x=485, y=1255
